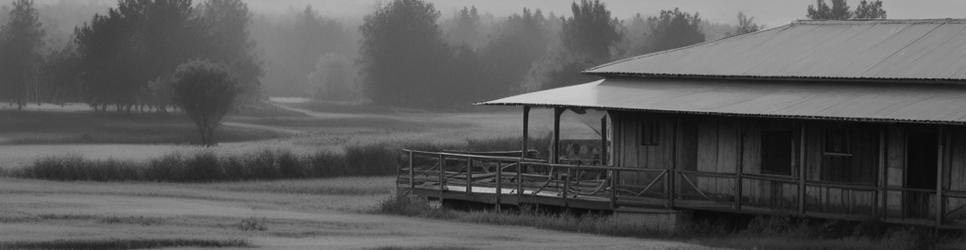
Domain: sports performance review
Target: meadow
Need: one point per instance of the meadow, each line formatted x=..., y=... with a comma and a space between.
x=307, y=175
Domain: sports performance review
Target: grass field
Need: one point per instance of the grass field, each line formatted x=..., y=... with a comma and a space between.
x=332, y=213
x=304, y=214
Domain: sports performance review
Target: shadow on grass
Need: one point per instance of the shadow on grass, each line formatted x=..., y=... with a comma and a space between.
x=123, y=244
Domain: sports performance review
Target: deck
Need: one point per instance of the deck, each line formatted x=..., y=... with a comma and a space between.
x=513, y=181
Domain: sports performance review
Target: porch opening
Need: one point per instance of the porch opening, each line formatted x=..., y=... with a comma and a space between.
x=921, y=163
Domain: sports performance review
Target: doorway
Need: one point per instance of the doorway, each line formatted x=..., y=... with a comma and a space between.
x=922, y=146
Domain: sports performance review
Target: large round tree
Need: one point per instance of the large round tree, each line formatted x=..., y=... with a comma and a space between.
x=205, y=91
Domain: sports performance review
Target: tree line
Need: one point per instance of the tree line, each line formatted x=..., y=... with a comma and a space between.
x=408, y=57
x=405, y=53
x=125, y=58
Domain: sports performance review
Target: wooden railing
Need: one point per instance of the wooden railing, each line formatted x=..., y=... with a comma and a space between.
x=522, y=178
x=497, y=179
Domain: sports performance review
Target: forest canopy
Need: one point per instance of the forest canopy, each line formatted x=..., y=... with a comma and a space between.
x=405, y=53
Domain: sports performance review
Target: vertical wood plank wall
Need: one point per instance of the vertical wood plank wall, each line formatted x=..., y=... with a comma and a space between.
x=710, y=144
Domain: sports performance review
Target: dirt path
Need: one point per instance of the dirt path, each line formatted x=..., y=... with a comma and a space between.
x=45, y=211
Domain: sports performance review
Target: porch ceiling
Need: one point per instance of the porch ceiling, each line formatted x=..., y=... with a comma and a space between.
x=826, y=100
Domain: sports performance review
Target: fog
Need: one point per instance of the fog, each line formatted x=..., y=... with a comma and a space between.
x=316, y=52
x=769, y=12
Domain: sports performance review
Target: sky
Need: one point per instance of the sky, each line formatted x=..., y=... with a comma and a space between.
x=769, y=12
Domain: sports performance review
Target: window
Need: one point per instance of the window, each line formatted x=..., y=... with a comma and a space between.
x=837, y=155
x=649, y=133
x=837, y=142
x=776, y=152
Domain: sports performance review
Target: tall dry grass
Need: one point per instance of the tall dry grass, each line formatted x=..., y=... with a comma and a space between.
x=362, y=160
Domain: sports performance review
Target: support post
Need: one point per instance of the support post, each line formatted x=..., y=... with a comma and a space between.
x=412, y=175
x=399, y=177
x=526, y=133
x=566, y=186
x=801, y=168
x=499, y=185
x=442, y=177
x=469, y=177
x=670, y=176
x=519, y=182
x=555, y=148
x=603, y=141
x=613, y=189
x=739, y=169
x=940, y=204
x=881, y=192
x=523, y=153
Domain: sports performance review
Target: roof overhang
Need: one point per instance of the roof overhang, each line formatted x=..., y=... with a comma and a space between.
x=825, y=100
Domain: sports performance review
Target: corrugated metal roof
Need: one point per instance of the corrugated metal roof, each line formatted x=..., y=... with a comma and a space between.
x=925, y=103
x=931, y=49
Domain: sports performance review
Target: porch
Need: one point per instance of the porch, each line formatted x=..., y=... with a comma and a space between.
x=514, y=181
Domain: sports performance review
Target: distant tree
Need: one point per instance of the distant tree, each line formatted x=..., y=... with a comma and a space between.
x=293, y=45
x=840, y=10
x=591, y=33
x=746, y=24
x=334, y=78
x=822, y=11
x=869, y=10
x=590, y=37
x=675, y=29
x=59, y=76
x=21, y=40
x=135, y=43
x=521, y=40
x=403, y=55
x=465, y=28
x=226, y=24
x=205, y=91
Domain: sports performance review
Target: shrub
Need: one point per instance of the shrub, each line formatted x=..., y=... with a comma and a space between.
x=368, y=160
x=358, y=160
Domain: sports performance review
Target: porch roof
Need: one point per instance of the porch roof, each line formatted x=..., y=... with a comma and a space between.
x=826, y=100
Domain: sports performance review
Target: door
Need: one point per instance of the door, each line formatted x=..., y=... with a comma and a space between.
x=921, y=160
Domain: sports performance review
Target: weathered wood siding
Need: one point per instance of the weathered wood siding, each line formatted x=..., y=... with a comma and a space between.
x=895, y=167
x=633, y=154
x=727, y=145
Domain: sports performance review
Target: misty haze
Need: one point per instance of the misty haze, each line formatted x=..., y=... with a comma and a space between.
x=482, y=124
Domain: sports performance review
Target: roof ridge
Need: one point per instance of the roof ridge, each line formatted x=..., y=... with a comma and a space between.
x=589, y=71
x=880, y=21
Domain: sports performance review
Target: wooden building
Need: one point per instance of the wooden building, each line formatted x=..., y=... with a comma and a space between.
x=862, y=120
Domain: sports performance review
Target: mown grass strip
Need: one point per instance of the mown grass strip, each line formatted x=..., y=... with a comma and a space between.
x=109, y=244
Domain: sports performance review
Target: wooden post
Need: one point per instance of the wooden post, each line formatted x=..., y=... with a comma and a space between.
x=880, y=202
x=499, y=185
x=802, y=169
x=939, y=175
x=739, y=168
x=399, y=177
x=526, y=133
x=555, y=146
x=519, y=182
x=603, y=141
x=566, y=187
x=412, y=175
x=469, y=177
x=442, y=177
x=523, y=155
x=670, y=176
x=613, y=189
